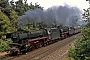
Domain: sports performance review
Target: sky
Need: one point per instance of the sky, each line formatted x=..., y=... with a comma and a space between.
x=48, y=3
x=82, y=4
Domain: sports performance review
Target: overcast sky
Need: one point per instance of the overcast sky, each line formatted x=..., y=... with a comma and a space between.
x=48, y=3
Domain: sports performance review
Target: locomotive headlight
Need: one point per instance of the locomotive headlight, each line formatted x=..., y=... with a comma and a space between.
x=61, y=29
x=27, y=45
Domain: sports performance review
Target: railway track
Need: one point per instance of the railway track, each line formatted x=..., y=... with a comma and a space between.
x=45, y=53
x=41, y=52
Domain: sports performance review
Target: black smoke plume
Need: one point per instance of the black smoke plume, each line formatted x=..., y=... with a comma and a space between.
x=62, y=15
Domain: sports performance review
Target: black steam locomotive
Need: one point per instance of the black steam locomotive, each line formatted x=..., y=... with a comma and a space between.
x=24, y=41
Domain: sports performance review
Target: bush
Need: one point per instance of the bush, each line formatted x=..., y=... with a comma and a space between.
x=4, y=45
x=82, y=46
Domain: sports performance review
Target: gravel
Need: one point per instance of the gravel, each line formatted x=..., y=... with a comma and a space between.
x=58, y=54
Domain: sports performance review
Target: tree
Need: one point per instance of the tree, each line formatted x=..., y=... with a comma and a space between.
x=8, y=20
x=8, y=11
x=5, y=25
x=81, y=50
x=81, y=46
x=22, y=6
x=4, y=3
x=12, y=15
x=86, y=16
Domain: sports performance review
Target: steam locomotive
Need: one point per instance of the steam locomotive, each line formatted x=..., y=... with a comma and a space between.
x=24, y=41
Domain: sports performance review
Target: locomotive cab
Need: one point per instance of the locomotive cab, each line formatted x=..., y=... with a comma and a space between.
x=53, y=33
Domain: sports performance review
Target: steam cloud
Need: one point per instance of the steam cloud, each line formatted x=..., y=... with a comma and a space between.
x=63, y=15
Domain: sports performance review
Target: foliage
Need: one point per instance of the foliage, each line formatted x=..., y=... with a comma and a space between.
x=5, y=25
x=21, y=6
x=82, y=46
x=4, y=45
x=4, y=3
x=34, y=26
x=12, y=15
x=9, y=12
x=81, y=50
x=86, y=15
